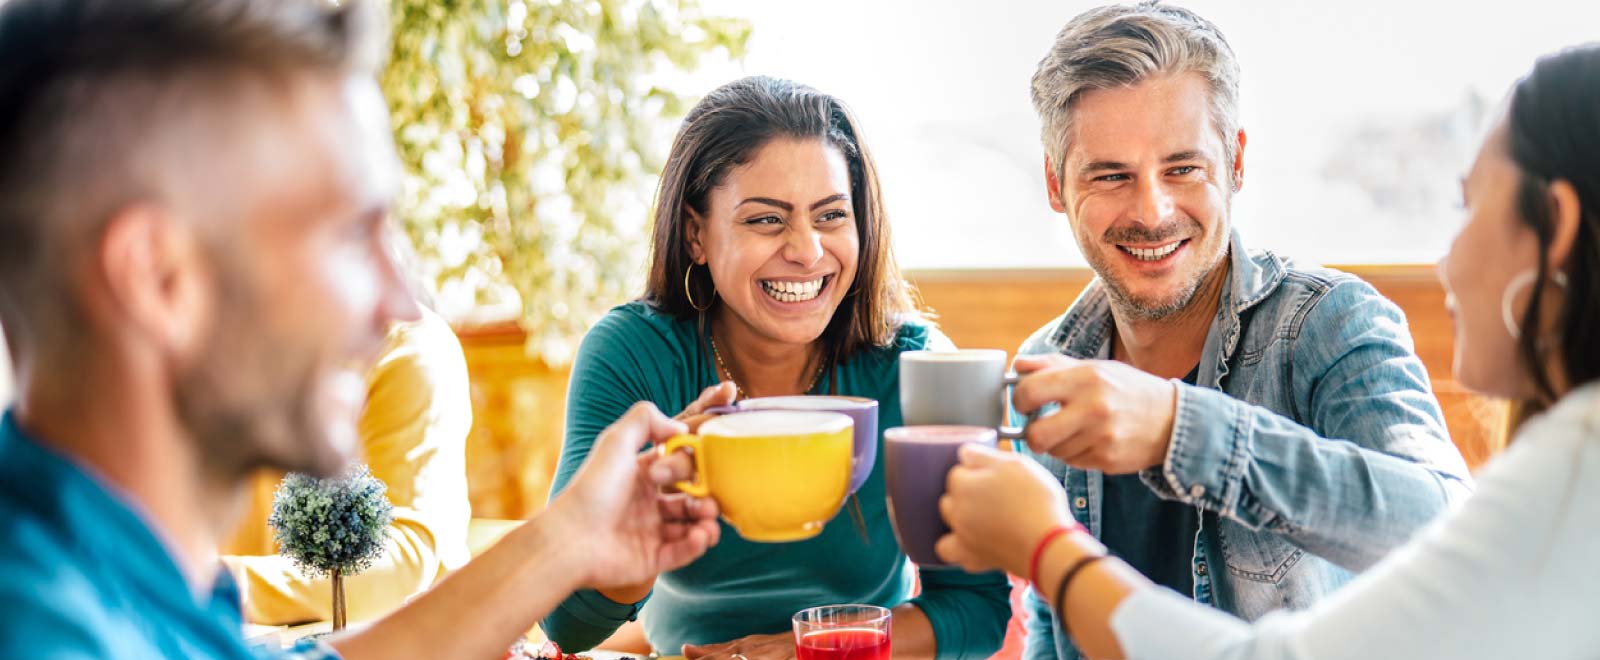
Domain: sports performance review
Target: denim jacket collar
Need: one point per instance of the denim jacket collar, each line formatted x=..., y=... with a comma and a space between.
x=1085, y=330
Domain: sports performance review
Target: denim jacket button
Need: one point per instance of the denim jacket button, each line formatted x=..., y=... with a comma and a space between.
x=1080, y=503
x=1200, y=569
x=1197, y=491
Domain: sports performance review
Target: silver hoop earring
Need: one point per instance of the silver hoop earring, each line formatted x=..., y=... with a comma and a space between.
x=1523, y=279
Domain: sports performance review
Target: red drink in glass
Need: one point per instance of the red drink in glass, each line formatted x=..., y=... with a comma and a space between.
x=843, y=644
x=842, y=632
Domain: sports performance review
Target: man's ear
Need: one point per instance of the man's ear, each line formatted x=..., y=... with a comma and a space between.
x=1238, y=161
x=1052, y=185
x=155, y=277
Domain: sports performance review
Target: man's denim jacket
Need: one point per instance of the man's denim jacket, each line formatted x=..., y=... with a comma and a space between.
x=1312, y=444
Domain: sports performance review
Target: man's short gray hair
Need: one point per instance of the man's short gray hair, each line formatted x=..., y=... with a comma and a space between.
x=1121, y=45
x=95, y=93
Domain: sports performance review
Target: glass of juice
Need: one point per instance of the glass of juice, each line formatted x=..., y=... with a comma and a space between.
x=842, y=632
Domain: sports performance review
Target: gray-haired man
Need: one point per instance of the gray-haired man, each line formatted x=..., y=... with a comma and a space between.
x=1238, y=428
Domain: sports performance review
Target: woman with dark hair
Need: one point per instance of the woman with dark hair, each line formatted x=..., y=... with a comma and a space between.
x=770, y=274
x=1510, y=574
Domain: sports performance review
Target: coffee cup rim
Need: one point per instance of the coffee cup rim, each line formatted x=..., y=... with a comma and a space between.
x=879, y=612
x=765, y=403
x=952, y=433
x=960, y=354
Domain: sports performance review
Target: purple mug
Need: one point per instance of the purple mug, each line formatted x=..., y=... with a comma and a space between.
x=917, y=460
x=863, y=411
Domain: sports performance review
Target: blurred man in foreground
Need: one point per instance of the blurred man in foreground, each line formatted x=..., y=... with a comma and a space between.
x=192, y=276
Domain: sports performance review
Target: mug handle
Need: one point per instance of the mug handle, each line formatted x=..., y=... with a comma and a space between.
x=1013, y=433
x=698, y=487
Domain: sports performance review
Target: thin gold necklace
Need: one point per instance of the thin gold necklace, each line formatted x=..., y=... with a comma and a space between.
x=738, y=392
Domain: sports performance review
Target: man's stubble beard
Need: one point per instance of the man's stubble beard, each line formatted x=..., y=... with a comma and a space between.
x=247, y=399
x=1133, y=308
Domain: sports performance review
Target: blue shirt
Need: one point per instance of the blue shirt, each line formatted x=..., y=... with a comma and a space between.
x=83, y=575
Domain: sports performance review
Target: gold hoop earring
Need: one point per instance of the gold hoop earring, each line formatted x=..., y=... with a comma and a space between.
x=688, y=292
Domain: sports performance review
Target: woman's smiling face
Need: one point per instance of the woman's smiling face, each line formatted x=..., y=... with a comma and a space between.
x=779, y=237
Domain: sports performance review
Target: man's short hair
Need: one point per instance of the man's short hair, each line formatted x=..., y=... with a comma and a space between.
x=1121, y=45
x=94, y=94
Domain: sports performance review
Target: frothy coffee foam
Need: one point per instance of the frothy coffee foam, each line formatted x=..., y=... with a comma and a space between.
x=775, y=422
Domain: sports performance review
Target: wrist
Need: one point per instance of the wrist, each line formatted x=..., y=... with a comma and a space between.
x=1175, y=401
x=1048, y=538
x=631, y=594
x=1023, y=557
x=1061, y=556
x=1169, y=424
x=552, y=535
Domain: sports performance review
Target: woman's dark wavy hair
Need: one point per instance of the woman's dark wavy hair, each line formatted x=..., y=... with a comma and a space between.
x=722, y=132
x=1554, y=135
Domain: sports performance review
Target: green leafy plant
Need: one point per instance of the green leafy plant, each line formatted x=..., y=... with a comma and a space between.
x=530, y=131
x=332, y=527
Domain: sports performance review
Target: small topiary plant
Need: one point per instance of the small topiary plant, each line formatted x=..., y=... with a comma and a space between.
x=332, y=527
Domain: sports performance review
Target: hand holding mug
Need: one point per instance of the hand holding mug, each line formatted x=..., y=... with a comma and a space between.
x=777, y=475
x=614, y=507
x=998, y=505
x=1113, y=418
x=716, y=396
x=666, y=471
x=918, y=458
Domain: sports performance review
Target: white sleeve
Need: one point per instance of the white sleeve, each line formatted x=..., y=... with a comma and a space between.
x=1509, y=575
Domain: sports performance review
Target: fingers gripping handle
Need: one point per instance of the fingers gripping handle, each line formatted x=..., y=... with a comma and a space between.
x=698, y=487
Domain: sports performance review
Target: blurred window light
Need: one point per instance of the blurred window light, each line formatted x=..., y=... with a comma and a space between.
x=1361, y=115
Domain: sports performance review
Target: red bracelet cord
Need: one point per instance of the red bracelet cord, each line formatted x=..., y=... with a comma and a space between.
x=1044, y=542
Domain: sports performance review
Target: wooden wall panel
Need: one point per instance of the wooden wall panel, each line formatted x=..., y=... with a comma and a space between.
x=997, y=309
x=519, y=410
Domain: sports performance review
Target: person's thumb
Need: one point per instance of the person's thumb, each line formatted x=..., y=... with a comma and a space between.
x=977, y=456
x=723, y=394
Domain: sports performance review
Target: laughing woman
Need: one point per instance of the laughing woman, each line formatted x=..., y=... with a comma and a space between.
x=770, y=274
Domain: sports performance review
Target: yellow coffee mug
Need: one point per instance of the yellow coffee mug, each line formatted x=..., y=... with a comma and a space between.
x=777, y=475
